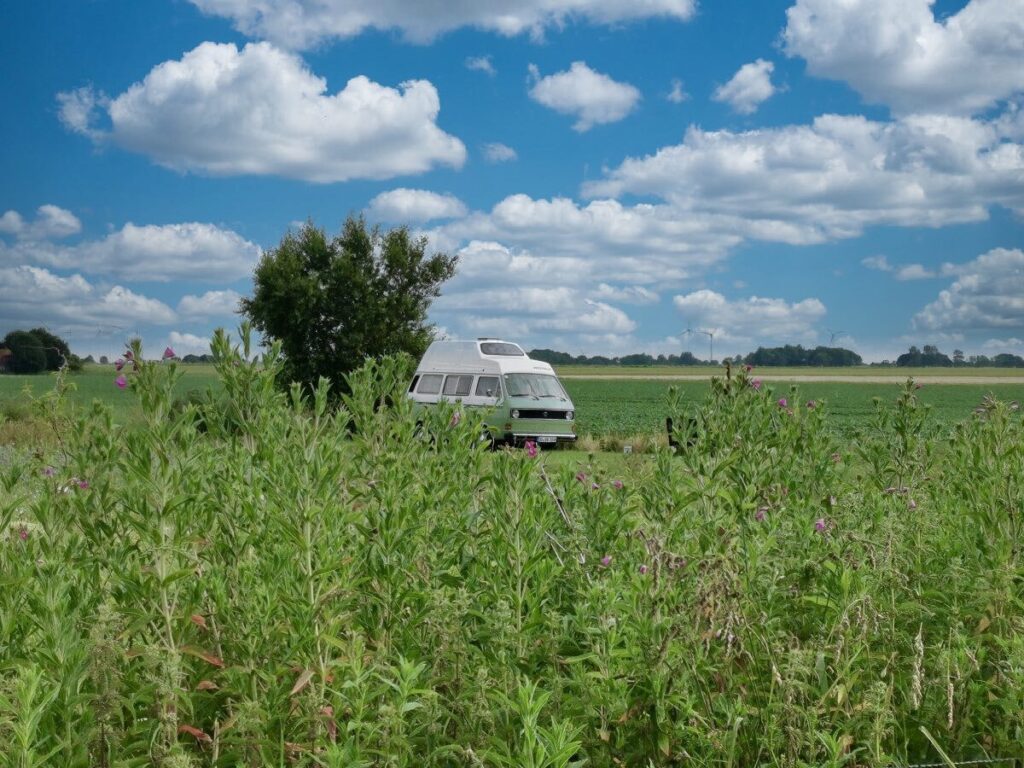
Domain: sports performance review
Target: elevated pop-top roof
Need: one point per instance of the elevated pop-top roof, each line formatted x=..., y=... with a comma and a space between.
x=470, y=356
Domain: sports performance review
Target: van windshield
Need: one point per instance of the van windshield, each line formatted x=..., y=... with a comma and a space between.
x=534, y=385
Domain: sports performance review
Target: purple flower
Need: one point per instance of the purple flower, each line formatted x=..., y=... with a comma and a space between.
x=581, y=477
x=531, y=449
x=643, y=570
x=128, y=355
x=83, y=484
x=617, y=485
x=759, y=515
x=119, y=364
x=918, y=385
x=811, y=405
x=911, y=504
x=168, y=353
x=594, y=486
x=606, y=560
x=756, y=384
x=48, y=471
x=820, y=525
x=748, y=368
x=783, y=402
x=121, y=382
x=456, y=418
x=23, y=533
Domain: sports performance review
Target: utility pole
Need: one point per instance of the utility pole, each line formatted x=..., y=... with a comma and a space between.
x=711, y=341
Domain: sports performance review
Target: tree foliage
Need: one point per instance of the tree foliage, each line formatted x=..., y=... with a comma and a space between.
x=27, y=352
x=333, y=302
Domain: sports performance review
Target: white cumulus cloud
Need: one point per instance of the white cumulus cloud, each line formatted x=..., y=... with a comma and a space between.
x=222, y=303
x=754, y=319
x=750, y=86
x=630, y=294
x=496, y=152
x=35, y=296
x=50, y=222
x=414, y=205
x=261, y=111
x=834, y=177
x=158, y=253
x=481, y=64
x=987, y=294
x=304, y=23
x=594, y=98
x=896, y=52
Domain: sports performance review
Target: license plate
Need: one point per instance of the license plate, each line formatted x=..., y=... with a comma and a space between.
x=546, y=439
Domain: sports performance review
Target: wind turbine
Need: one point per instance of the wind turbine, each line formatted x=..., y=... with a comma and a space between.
x=833, y=335
x=711, y=340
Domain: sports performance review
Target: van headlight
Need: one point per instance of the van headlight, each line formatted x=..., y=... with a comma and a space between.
x=515, y=413
x=569, y=415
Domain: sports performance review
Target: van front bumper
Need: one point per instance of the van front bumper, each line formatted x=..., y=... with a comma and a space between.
x=549, y=438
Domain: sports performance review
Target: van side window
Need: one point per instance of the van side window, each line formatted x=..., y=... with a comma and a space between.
x=458, y=386
x=415, y=381
x=430, y=384
x=487, y=386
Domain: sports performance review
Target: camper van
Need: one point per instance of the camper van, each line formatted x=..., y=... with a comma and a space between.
x=523, y=397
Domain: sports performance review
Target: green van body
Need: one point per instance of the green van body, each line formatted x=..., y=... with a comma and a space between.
x=523, y=398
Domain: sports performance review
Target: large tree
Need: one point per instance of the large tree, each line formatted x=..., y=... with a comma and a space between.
x=28, y=355
x=334, y=302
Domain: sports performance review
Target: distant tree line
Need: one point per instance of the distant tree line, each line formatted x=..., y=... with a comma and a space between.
x=787, y=355
x=794, y=355
x=930, y=356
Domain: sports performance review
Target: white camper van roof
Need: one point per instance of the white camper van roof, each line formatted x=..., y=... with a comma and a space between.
x=469, y=357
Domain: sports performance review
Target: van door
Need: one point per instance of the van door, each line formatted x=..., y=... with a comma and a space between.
x=486, y=392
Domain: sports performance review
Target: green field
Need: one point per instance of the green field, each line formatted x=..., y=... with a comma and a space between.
x=627, y=407
x=618, y=406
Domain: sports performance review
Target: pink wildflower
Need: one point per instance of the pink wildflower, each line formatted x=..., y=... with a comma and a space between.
x=918, y=385
x=456, y=418
x=119, y=364
x=594, y=486
x=759, y=515
x=811, y=405
x=48, y=471
x=581, y=477
x=606, y=561
x=643, y=570
x=531, y=449
x=783, y=402
x=820, y=525
x=911, y=504
x=83, y=484
x=121, y=382
x=756, y=384
x=748, y=368
x=168, y=353
x=23, y=534
x=128, y=355
x=617, y=485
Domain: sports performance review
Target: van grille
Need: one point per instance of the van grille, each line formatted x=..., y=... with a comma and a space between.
x=535, y=414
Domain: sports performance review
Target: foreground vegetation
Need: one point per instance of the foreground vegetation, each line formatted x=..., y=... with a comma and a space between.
x=263, y=580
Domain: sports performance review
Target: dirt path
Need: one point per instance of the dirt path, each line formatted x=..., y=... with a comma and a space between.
x=936, y=379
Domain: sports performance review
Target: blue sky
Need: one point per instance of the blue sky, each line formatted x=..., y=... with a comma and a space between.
x=609, y=172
